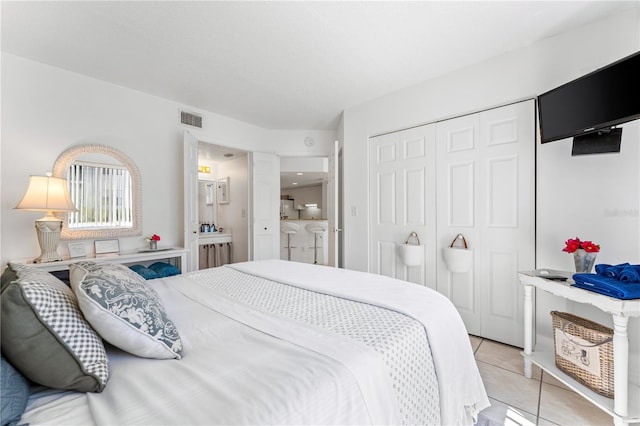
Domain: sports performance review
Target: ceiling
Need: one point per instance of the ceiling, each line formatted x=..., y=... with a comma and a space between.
x=281, y=65
x=218, y=153
x=301, y=179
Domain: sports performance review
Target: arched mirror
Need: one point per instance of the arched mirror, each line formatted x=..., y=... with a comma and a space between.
x=104, y=184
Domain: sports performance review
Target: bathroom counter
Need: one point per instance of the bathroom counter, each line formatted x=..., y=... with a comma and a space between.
x=214, y=237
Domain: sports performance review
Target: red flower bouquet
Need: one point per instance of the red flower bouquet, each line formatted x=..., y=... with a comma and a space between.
x=572, y=245
x=153, y=241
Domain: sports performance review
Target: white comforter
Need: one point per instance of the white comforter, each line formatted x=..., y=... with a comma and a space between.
x=462, y=393
x=235, y=372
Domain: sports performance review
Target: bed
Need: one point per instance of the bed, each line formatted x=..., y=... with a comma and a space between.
x=272, y=342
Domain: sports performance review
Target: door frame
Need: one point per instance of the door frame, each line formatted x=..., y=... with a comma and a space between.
x=333, y=214
x=190, y=203
x=190, y=199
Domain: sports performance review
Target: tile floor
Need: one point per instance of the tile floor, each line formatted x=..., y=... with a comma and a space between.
x=516, y=400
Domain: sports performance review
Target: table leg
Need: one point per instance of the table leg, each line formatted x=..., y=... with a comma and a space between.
x=528, y=328
x=620, y=365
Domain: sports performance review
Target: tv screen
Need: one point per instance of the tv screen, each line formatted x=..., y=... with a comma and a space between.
x=606, y=97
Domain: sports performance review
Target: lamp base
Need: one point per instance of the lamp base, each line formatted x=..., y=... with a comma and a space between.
x=48, y=230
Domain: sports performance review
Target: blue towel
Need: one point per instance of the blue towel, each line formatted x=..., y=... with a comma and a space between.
x=144, y=272
x=607, y=286
x=611, y=271
x=164, y=269
x=630, y=274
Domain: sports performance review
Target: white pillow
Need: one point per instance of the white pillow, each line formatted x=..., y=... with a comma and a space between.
x=124, y=309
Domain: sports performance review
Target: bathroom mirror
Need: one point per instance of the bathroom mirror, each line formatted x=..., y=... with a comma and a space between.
x=207, y=209
x=223, y=191
x=104, y=184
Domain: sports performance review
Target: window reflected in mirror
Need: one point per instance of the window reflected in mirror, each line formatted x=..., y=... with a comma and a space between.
x=104, y=185
x=102, y=194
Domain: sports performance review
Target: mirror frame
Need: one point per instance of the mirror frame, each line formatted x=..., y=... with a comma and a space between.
x=60, y=168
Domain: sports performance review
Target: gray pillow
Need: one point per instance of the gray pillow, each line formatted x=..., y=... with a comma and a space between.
x=14, y=393
x=124, y=309
x=45, y=336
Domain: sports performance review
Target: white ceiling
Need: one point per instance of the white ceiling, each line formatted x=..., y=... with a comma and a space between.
x=292, y=180
x=281, y=65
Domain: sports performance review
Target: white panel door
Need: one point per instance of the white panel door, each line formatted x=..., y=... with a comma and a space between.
x=333, y=210
x=265, y=230
x=190, y=225
x=507, y=183
x=486, y=192
x=402, y=187
x=457, y=148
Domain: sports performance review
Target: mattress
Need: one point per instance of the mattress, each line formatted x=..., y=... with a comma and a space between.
x=276, y=342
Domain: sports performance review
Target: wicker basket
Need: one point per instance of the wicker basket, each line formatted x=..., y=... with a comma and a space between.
x=584, y=351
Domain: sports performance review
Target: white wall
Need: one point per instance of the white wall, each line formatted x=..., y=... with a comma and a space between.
x=593, y=197
x=46, y=110
x=567, y=207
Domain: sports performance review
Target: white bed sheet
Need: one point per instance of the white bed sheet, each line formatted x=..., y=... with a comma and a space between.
x=229, y=374
x=222, y=378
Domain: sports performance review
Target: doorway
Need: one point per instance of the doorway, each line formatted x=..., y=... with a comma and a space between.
x=303, y=209
x=223, y=204
x=257, y=208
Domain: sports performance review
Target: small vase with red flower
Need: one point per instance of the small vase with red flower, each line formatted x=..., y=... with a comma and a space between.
x=153, y=241
x=584, y=254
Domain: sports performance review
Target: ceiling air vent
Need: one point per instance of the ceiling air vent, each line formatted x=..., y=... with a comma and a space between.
x=190, y=119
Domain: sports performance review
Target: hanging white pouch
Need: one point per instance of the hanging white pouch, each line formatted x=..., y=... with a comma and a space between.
x=412, y=254
x=458, y=259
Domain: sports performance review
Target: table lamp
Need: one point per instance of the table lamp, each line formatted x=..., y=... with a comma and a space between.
x=47, y=194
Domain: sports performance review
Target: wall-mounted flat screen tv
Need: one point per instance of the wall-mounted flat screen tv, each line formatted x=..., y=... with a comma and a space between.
x=599, y=100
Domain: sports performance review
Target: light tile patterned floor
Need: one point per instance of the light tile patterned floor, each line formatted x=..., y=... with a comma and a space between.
x=541, y=400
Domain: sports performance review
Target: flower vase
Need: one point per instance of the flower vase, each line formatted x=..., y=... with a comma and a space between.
x=153, y=245
x=584, y=261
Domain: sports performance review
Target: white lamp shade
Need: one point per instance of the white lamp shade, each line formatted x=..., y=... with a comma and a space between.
x=46, y=193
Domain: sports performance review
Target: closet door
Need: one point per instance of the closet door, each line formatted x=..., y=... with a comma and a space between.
x=458, y=211
x=485, y=191
x=402, y=189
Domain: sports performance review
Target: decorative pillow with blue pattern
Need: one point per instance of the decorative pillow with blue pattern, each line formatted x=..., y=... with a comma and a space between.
x=124, y=309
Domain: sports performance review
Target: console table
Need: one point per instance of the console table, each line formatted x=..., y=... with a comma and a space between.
x=621, y=310
x=176, y=256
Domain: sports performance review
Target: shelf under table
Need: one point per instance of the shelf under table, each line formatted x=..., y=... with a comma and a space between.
x=544, y=358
